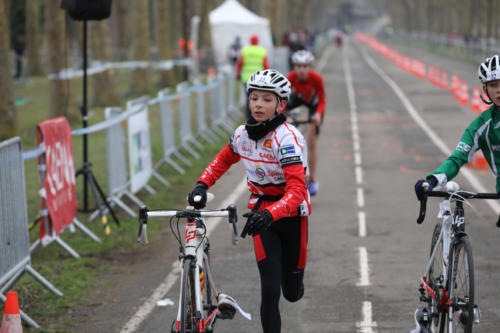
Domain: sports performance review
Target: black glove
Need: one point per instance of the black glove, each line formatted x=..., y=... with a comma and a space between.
x=257, y=222
x=420, y=190
x=201, y=190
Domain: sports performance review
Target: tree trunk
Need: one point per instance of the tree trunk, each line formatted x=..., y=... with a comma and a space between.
x=140, y=43
x=60, y=89
x=8, y=117
x=120, y=29
x=33, y=38
x=164, y=42
x=103, y=88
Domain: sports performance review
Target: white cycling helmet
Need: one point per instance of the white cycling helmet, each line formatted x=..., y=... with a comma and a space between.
x=270, y=80
x=489, y=70
x=302, y=57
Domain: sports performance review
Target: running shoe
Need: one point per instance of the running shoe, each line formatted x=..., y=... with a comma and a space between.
x=312, y=186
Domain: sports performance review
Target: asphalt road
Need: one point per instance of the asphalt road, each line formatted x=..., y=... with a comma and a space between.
x=366, y=253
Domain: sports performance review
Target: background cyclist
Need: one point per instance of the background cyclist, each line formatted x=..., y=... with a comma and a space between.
x=274, y=154
x=483, y=133
x=308, y=90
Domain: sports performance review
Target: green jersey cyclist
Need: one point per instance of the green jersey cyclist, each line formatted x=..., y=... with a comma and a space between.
x=483, y=133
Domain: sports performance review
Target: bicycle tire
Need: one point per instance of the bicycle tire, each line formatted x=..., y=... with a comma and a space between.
x=209, y=303
x=461, y=287
x=188, y=299
x=435, y=277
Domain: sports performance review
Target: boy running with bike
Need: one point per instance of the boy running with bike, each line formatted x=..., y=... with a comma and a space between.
x=275, y=157
x=483, y=133
x=308, y=90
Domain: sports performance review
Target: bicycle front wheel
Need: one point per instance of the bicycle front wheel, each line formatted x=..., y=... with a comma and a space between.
x=461, y=287
x=435, y=278
x=188, y=299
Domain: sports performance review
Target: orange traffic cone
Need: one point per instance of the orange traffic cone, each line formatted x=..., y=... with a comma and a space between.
x=444, y=79
x=476, y=101
x=478, y=162
x=455, y=83
x=211, y=72
x=464, y=93
x=11, y=321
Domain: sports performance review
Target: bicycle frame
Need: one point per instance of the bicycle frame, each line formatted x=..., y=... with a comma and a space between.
x=194, y=248
x=447, y=236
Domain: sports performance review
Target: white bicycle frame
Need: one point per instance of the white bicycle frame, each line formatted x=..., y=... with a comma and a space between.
x=445, y=236
x=194, y=245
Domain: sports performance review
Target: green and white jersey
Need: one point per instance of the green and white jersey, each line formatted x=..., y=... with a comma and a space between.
x=483, y=133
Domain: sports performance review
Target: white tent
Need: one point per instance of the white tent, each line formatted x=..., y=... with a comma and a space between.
x=230, y=20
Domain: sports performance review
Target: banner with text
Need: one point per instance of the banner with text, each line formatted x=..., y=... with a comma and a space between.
x=58, y=180
x=140, y=162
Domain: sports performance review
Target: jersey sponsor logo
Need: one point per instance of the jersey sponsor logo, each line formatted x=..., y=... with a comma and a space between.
x=495, y=147
x=267, y=156
x=268, y=143
x=463, y=147
x=260, y=172
x=287, y=150
x=276, y=175
x=290, y=160
x=247, y=147
x=497, y=125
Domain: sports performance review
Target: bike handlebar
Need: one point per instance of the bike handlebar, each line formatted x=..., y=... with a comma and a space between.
x=144, y=213
x=447, y=195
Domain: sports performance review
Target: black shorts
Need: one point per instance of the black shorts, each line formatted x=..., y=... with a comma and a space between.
x=296, y=100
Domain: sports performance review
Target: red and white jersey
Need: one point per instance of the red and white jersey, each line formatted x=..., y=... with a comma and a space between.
x=275, y=166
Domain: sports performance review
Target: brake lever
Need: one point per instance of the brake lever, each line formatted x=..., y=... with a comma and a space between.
x=233, y=218
x=423, y=210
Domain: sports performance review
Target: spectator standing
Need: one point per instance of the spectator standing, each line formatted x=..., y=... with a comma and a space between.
x=253, y=58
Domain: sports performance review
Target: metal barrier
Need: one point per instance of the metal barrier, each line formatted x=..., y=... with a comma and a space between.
x=118, y=182
x=184, y=114
x=168, y=134
x=280, y=59
x=14, y=234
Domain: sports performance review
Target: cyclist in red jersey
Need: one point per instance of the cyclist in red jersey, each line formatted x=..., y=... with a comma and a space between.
x=307, y=90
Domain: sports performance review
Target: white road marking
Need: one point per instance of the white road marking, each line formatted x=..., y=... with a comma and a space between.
x=361, y=197
x=367, y=325
x=357, y=158
x=364, y=272
x=362, y=223
x=359, y=175
x=149, y=304
x=473, y=180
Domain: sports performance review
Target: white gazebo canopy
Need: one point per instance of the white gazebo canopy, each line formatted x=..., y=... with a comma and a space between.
x=231, y=20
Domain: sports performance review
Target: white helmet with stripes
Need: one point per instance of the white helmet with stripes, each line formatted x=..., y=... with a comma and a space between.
x=302, y=57
x=270, y=80
x=489, y=70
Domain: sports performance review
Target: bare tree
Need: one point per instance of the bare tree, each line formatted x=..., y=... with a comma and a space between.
x=140, y=44
x=60, y=89
x=104, y=92
x=8, y=117
x=33, y=37
x=164, y=38
x=120, y=30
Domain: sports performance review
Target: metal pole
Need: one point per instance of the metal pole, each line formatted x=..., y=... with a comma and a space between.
x=84, y=117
